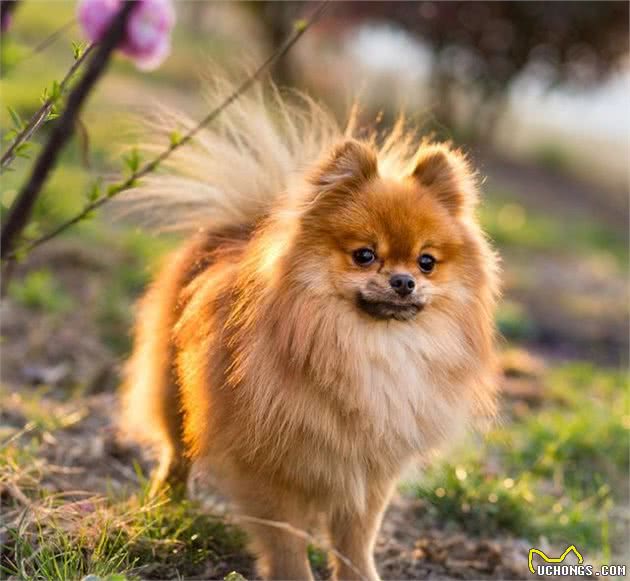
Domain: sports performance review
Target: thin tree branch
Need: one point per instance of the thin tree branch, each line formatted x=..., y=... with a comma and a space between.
x=41, y=115
x=151, y=165
x=49, y=40
x=84, y=138
x=21, y=208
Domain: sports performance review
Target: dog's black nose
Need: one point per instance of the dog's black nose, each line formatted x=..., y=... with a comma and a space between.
x=403, y=284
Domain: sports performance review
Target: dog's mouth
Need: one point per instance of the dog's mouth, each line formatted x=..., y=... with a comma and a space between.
x=386, y=310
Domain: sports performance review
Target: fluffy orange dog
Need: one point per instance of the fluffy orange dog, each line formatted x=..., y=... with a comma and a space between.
x=331, y=320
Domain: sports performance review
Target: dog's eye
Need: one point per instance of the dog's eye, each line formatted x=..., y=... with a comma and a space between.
x=363, y=256
x=426, y=262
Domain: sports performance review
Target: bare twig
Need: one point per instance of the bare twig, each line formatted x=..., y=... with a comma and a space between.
x=84, y=138
x=151, y=165
x=49, y=40
x=25, y=430
x=41, y=115
x=20, y=210
x=17, y=494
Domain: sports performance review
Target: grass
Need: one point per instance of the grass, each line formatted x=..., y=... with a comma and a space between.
x=54, y=534
x=513, y=226
x=51, y=535
x=558, y=472
x=514, y=323
x=40, y=291
x=134, y=538
x=58, y=535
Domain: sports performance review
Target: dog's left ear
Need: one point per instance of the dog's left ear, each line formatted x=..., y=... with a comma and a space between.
x=447, y=176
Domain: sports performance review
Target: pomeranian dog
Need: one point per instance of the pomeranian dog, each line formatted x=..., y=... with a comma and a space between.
x=330, y=320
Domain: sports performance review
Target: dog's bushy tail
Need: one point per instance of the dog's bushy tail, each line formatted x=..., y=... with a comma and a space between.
x=233, y=170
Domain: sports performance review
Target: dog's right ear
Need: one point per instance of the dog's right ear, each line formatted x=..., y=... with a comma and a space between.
x=447, y=176
x=349, y=165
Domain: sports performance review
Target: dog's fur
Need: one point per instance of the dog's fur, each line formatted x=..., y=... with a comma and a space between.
x=265, y=354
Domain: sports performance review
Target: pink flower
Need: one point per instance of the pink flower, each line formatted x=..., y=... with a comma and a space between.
x=148, y=33
x=95, y=16
x=5, y=22
x=6, y=14
x=147, y=39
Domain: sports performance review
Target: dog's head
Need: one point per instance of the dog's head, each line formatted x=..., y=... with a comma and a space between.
x=392, y=248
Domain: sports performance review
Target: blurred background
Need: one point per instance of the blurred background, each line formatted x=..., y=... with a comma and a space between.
x=535, y=92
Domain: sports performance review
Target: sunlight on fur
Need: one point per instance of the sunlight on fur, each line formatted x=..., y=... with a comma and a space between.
x=330, y=320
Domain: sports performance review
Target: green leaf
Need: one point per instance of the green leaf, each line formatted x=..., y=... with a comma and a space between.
x=175, y=138
x=32, y=231
x=300, y=25
x=10, y=135
x=17, y=120
x=55, y=91
x=20, y=254
x=94, y=193
x=77, y=50
x=22, y=149
x=112, y=190
x=132, y=161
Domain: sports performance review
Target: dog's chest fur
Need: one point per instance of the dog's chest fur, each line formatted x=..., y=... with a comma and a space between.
x=371, y=397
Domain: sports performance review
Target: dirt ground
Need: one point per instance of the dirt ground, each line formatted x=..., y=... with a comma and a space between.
x=87, y=457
